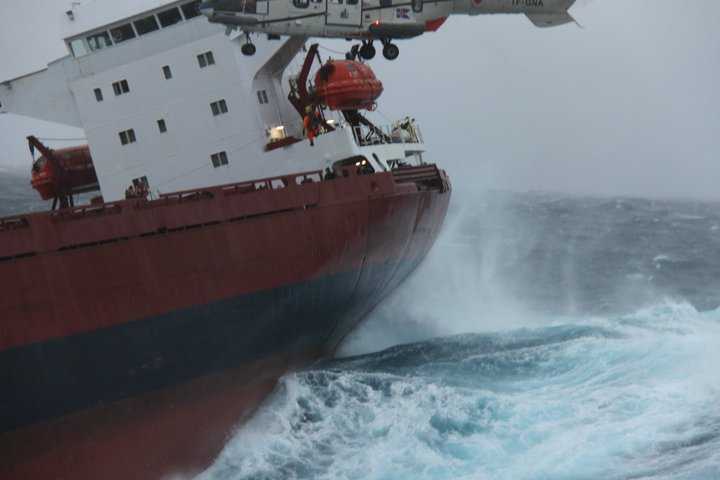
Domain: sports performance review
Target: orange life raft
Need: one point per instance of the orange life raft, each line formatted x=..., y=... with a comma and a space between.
x=347, y=85
x=76, y=173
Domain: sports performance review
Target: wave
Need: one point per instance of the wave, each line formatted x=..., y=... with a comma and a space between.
x=633, y=396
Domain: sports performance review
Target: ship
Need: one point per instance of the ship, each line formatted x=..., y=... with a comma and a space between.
x=199, y=245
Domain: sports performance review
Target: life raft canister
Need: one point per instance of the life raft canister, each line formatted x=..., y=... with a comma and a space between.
x=77, y=175
x=347, y=85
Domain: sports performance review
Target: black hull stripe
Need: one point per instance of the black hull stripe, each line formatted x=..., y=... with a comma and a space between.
x=50, y=379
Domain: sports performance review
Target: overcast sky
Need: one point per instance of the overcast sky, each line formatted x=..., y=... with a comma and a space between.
x=629, y=104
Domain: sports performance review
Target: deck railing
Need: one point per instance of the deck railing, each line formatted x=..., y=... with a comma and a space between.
x=403, y=131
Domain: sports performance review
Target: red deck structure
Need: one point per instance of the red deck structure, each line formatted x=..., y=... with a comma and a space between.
x=135, y=335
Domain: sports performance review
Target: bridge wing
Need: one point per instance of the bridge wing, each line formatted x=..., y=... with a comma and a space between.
x=43, y=95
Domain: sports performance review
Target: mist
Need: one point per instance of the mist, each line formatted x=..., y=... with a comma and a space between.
x=506, y=261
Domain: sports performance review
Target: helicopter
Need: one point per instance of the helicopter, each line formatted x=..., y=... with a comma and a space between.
x=368, y=20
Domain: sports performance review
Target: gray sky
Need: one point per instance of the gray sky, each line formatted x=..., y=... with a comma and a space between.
x=630, y=104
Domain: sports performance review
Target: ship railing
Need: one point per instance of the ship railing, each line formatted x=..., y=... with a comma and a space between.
x=424, y=176
x=248, y=186
x=22, y=243
x=13, y=223
x=405, y=131
x=84, y=211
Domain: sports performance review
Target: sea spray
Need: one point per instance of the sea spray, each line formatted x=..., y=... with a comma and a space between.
x=624, y=397
x=578, y=340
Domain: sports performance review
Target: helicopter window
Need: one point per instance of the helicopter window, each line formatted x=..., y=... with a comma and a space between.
x=386, y=3
x=250, y=6
x=262, y=7
x=417, y=6
x=122, y=33
x=301, y=3
x=352, y=2
x=99, y=41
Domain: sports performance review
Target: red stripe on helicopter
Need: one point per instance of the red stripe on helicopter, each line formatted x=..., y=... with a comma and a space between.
x=434, y=25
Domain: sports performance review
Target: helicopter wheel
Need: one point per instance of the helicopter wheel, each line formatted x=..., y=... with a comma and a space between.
x=367, y=51
x=390, y=51
x=353, y=53
x=248, y=49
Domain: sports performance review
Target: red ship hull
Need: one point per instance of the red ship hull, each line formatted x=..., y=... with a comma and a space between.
x=135, y=336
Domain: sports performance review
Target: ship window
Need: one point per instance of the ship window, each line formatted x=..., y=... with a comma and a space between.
x=219, y=159
x=169, y=17
x=301, y=3
x=121, y=87
x=122, y=33
x=219, y=107
x=167, y=72
x=127, y=136
x=98, y=95
x=146, y=25
x=162, y=126
x=191, y=10
x=205, y=59
x=78, y=47
x=99, y=41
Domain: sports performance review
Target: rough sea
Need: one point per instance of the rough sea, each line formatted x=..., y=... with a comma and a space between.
x=545, y=337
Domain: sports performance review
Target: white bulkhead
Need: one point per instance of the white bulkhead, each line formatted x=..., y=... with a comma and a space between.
x=166, y=95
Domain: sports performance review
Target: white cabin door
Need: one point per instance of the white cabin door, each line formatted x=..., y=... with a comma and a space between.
x=344, y=13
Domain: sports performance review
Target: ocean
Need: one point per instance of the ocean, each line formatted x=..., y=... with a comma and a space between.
x=16, y=195
x=545, y=337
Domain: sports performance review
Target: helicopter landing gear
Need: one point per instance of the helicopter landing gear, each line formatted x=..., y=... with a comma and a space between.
x=367, y=51
x=248, y=47
x=390, y=50
x=353, y=53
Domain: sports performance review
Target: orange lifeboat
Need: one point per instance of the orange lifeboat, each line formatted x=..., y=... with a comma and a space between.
x=71, y=172
x=347, y=85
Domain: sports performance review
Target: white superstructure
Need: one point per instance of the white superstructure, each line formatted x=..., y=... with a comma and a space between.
x=166, y=95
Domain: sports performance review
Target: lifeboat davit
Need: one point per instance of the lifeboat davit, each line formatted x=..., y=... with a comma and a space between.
x=75, y=173
x=347, y=85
